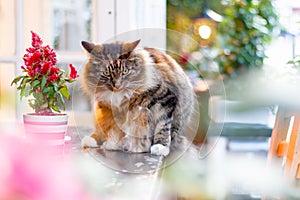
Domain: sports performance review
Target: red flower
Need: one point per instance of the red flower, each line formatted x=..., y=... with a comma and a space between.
x=36, y=56
x=53, y=77
x=30, y=71
x=36, y=40
x=37, y=68
x=26, y=59
x=30, y=50
x=54, y=70
x=73, y=73
x=49, y=54
x=32, y=58
x=46, y=68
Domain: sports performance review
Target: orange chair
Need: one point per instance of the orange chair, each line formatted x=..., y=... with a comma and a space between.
x=285, y=141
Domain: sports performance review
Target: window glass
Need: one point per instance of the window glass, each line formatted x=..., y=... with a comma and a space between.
x=7, y=27
x=71, y=21
x=7, y=93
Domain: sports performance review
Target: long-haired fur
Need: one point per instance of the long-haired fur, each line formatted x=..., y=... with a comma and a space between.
x=142, y=98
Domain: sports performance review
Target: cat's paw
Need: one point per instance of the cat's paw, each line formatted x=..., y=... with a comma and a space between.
x=159, y=149
x=88, y=141
x=110, y=145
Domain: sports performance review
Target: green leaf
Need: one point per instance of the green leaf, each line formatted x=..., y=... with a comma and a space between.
x=25, y=91
x=50, y=94
x=39, y=96
x=61, y=99
x=44, y=81
x=55, y=108
x=46, y=90
x=64, y=91
x=20, y=87
x=24, y=81
x=35, y=83
x=55, y=87
x=16, y=80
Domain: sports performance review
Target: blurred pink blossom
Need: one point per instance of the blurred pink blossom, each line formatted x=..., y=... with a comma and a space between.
x=29, y=172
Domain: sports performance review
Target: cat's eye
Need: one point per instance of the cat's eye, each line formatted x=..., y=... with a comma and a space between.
x=125, y=71
x=106, y=73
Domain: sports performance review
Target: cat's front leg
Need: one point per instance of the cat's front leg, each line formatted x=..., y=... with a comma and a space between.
x=109, y=144
x=94, y=140
x=113, y=141
x=137, y=128
x=160, y=150
x=162, y=139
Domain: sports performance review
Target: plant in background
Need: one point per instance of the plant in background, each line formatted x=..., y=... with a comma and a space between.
x=43, y=80
x=247, y=27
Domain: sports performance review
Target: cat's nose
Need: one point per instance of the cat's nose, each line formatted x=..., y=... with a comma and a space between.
x=116, y=85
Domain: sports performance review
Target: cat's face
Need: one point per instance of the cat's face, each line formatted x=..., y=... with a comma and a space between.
x=112, y=67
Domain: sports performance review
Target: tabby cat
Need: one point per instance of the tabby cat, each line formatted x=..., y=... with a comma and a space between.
x=143, y=98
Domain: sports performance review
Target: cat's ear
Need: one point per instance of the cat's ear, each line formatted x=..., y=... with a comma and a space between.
x=129, y=47
x=87, y=46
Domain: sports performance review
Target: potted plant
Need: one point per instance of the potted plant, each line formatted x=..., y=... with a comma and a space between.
x=46, y=84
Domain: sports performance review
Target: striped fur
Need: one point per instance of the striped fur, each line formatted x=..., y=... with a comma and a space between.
x=143, y=97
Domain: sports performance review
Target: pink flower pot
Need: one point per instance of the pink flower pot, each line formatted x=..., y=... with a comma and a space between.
x=48, y=130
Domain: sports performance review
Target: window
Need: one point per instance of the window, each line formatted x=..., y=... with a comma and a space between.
x=62, y=25
x=59, y=23
x=71, y=21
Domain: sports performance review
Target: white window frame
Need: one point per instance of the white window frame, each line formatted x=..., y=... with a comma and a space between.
x=17, y=58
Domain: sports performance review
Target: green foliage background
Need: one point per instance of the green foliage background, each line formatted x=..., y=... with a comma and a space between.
x=242, y=37
x=246, y=30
